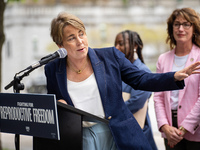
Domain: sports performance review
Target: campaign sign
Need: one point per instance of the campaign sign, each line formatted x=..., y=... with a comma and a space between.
x=29, y=114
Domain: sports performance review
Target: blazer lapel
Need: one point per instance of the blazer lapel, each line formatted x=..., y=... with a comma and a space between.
x=170, y=62
x=168, y=66
x=191, y=59
x=99, y=72
x=61, y=77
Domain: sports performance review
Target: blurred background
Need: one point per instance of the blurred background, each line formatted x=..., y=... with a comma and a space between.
x=27, y=37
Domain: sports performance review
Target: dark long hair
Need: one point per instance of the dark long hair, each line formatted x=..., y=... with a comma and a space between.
x=134, y=39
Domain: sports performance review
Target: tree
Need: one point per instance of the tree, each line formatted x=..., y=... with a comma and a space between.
x=2, y=35
x=2, y=38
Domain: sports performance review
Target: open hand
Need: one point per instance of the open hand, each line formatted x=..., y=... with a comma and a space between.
x=186, y=72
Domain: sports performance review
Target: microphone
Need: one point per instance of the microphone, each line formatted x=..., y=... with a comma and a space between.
x=61, y=53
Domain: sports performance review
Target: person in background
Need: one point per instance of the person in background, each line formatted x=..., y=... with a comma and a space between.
x=130, y=43
x=90, y=79
x=178, y=111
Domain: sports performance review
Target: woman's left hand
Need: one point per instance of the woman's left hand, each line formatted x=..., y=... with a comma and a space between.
x=62, y=101
x=186, y=72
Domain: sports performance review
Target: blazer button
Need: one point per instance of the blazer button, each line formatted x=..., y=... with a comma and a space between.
x=109, y=117
x=179, y=106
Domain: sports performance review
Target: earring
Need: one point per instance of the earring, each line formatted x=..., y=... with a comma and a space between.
x=134, y=50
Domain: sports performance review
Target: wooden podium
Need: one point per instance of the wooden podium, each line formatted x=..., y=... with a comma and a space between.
x=70, y=127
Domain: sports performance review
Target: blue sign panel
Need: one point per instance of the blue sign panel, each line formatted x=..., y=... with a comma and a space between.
x=29, y=114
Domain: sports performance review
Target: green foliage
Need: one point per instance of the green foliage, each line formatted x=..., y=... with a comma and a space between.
x=125, y=2
x=149, y=33
x=22, y=1
x=14, y=0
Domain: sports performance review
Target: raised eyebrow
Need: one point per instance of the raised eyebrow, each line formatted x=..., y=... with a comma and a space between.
x=73, y=34
x=70, y=35
x=80, y=31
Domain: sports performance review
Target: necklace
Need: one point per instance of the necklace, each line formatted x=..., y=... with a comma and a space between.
x=79, y=71
x=180, y=65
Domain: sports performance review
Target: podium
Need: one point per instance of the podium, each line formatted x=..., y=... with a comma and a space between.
x=70, y=126
x=53, y=125
x=29, y=114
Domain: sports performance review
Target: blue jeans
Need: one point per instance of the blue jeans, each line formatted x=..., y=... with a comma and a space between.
x=98, y=137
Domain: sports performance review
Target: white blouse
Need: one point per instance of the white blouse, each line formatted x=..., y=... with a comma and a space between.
x=178, y=64
x=85, y=96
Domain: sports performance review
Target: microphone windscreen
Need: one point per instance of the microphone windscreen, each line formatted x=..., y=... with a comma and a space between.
x=62, y=52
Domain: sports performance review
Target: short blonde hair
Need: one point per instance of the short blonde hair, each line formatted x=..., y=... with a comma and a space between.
x=62, y=20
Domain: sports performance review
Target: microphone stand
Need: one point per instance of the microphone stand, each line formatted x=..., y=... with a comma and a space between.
x=17, y=87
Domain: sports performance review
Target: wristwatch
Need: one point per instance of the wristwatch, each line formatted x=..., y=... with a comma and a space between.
x=183, y=129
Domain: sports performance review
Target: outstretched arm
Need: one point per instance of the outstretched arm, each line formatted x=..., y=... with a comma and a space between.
x=186, y=72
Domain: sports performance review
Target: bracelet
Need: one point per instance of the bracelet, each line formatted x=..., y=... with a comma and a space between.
x=183, y=129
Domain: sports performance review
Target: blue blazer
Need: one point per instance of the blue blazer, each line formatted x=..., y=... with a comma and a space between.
x=136, y=102
x=138, y=97
x=111, y=67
